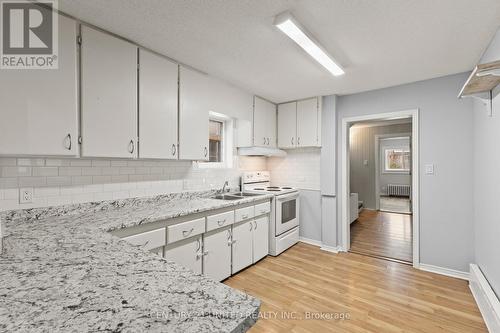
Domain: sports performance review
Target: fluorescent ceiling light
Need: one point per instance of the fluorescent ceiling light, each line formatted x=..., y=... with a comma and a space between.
x=287, y=23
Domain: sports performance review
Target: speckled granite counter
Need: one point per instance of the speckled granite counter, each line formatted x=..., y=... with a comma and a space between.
x=61, y=271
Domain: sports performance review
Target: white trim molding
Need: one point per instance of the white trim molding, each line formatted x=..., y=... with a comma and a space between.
x=310, y=241
x=322, y=247
x=444, y=271
x=344, y=176
x=486, y=299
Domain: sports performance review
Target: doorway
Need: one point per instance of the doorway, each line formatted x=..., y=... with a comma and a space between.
x=379, y=186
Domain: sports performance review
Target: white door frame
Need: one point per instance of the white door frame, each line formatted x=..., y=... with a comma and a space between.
x=379, y=137
x=345, y=185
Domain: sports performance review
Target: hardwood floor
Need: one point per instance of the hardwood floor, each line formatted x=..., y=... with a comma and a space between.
x=377, y=295
x=383, y=234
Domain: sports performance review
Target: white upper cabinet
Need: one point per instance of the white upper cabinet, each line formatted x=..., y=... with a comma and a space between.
x=299, y=124
x=158, y=79
x=194, y=99
x=308, y=123
x=287, y=125
x=39, y=108
x=264, y=123
x=109, y=95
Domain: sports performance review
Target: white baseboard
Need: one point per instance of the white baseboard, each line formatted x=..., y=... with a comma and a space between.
x=486, y=299
x=310, y=241
x=332, y=249
x=444, y=271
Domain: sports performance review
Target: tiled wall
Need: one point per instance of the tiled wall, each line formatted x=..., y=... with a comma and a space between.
x=64, y=181
x=300, y=168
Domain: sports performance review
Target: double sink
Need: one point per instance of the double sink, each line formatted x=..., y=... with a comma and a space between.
x=234, y=196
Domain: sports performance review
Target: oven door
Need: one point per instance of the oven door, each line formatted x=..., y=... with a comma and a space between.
x=287, y=212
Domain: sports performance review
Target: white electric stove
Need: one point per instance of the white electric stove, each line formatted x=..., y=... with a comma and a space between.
x=284, y=223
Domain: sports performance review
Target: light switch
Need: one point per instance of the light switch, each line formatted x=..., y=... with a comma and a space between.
x=429, y=169
x=25, y=195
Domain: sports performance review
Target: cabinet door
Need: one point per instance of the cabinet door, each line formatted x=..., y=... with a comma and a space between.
x=193, y=115
x=264, y=123
x=157, y=106
x=260, y=238
x=186, y=253
x=287, y=125
x=307, y=123
x=109, y=95
x=39, y=108
x=242, y=246
x=217, y=254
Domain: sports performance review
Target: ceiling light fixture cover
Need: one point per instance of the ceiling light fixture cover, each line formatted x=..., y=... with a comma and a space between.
x=292, y=28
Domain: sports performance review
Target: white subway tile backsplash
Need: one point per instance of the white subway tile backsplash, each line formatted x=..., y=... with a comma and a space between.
x=7, y=161
x=30, y=162
x=68, y=180
x=15, y=171
x=46, y=171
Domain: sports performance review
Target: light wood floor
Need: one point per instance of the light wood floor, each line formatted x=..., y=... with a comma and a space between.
x=383, y=234
x=378, y=295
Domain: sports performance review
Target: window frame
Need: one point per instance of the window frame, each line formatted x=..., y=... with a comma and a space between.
x=226, y=142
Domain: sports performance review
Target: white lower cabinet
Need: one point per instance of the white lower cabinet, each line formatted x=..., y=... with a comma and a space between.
x=260, y=238
x=217, y=254
x=186, y=253
x=242, y=245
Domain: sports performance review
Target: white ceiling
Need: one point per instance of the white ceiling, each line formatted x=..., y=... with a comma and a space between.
x=380, y=43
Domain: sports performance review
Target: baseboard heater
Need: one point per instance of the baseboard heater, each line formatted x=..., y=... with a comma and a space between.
x=398, y=190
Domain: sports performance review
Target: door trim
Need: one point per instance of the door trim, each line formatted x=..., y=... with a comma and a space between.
x=344, y=162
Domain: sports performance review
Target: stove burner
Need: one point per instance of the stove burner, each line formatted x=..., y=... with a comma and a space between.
x=286, y=188
x=273, y=190
x=259, y=189
x=272, y=187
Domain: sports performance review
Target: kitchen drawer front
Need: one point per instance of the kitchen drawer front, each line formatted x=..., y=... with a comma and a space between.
x=220, y=220
x=149, y=240
x=185, y=230
x=263, y=208
x=244, y=214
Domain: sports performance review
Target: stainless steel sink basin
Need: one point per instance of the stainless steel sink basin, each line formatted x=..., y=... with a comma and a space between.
x=243, y=194
x=226, y=197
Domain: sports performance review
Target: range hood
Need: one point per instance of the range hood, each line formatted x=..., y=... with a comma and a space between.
x=261, y=151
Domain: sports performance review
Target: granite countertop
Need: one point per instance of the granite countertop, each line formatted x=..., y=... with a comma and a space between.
x=61, y=270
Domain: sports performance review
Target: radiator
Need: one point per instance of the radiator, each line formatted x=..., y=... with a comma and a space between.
x=398, y=190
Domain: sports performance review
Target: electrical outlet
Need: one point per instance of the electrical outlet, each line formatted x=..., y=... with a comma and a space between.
x=26, y=195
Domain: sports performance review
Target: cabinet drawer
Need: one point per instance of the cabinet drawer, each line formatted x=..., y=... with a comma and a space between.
x=185, y=230
x=244, y=214
x=149, y=240
x=220, y=220
x=263, y=208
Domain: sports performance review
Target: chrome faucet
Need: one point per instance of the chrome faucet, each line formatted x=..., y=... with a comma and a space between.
x=226, y=183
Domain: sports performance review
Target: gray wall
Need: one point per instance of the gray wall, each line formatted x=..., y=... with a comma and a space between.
x=310, y=214
x=446, y=140
x=363, y=177
x=487, y=190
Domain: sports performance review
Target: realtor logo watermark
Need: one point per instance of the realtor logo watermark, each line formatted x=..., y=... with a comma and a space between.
x=29, y=34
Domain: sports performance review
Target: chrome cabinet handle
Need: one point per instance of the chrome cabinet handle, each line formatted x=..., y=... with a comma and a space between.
x=292, y=140
x=264, y=140
x=244, y=216
x=131, y=146
x=174, y=150
x=298, y=141
x=205, y=150
x=186, y=233
x=68, y=141
x=255, y=227
x=231, y=242
x=251, y=226
x=268, y=141
x=263, y=211
x=221, y=223
x=198, y=245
